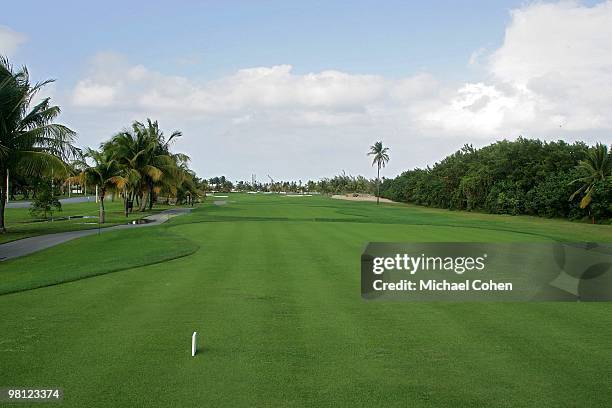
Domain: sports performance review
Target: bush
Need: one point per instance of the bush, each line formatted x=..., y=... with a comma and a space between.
x=601, y=205
x=45, y=203
x=525, y=176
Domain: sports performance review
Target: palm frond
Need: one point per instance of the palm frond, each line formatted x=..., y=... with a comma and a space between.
x=40, y=163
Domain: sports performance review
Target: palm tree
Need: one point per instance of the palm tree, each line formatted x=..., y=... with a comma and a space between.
x=148, y=166
x=596, y=167
x=381, y=158
x=106, y=173
x=135, y=152
x=30, y=143
x=169, y=163
x=131, y=150
x=181, y=184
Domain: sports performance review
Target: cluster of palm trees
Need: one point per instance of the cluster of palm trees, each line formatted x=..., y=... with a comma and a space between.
x=136, y=163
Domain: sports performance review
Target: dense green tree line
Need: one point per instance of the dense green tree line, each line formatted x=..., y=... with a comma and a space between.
x=526, y=176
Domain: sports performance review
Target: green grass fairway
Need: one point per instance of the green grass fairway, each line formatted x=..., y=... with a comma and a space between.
x=273, y=288
x=91, y=256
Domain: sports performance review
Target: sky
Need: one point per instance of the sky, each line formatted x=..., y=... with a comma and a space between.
x=300, y=90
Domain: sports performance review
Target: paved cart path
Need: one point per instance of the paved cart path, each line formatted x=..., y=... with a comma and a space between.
x=21, y=247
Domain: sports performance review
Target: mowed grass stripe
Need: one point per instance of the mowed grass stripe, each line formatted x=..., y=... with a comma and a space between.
x=91, y=256
x=340, y=374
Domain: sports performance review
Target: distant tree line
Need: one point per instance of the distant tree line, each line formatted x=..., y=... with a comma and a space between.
x=526, y=176
x=343, y=184
x=340, y=184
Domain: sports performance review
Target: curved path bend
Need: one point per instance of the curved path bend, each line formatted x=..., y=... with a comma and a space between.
x=25, y=246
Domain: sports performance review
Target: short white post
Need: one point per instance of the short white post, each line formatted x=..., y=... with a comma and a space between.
x=193, y=344
x=96, y=193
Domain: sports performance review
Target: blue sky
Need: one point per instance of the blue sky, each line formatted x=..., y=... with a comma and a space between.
x=321, y=80
x=392, y=38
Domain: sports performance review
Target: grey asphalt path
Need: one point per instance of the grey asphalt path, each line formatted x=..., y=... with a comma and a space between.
x=72, y=200
x=25, y=246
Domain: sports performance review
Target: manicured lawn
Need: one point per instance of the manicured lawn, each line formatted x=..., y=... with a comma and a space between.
x=20, y=224
x=273, y=289
x=93, y=255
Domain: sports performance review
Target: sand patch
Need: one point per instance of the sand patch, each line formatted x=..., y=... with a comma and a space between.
x=360, y=197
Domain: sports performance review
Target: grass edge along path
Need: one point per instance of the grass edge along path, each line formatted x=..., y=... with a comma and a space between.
x=107, y=253
x=20, y=224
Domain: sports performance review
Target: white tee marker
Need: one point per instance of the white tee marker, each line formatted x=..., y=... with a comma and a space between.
x=193, y=344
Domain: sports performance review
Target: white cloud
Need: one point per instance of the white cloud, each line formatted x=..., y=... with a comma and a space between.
x=265, y=88
x=10, y=40
x=90, y=94
x=553, y=70
x=323, y=97
x=242, y=119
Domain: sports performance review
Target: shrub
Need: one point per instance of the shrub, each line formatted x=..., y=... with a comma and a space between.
x=45, y=203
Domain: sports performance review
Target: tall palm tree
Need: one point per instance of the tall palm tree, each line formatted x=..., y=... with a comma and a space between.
x=169, y=163
x=381, y=158
x=105, y=172
x=30, y=143
x=135, y=151
x=132, y=151
x=180, y=182
x=148, y=165
x=596, y=167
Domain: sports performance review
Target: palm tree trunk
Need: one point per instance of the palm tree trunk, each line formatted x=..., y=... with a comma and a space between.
x=378, y=185
x=102, y=212
x=143, y=200
x=151, y=196
x=2, y=200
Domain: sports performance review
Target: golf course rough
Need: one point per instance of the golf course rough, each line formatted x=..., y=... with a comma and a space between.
x=273, y=286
